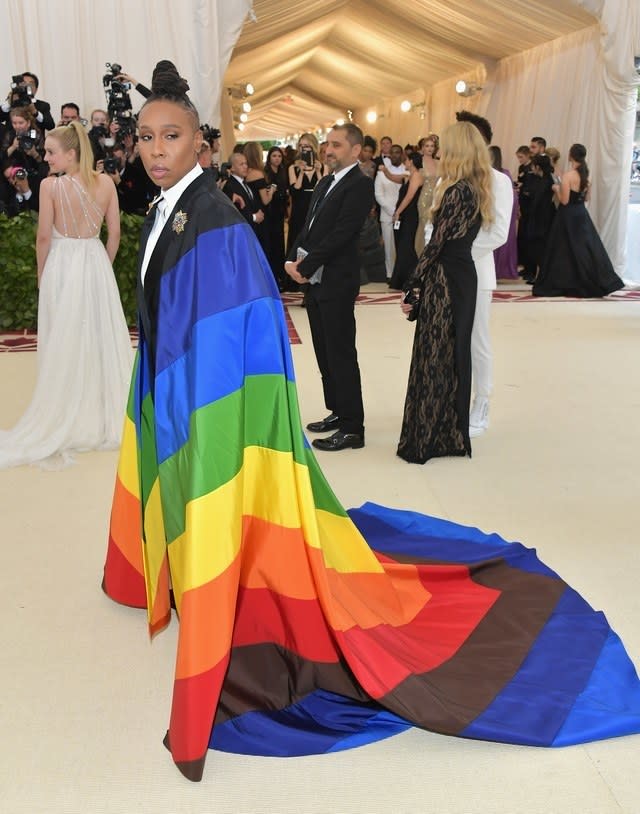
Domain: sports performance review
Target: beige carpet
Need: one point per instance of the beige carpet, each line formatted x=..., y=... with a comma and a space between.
x=84, y=696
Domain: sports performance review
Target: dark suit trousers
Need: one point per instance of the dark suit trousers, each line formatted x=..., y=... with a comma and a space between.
x=333, y=331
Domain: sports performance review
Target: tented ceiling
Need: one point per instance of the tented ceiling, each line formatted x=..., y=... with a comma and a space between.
x=311, y=60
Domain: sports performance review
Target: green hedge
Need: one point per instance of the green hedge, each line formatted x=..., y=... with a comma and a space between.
x=18, y=275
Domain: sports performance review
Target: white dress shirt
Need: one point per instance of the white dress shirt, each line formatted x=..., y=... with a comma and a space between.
x=164, y=207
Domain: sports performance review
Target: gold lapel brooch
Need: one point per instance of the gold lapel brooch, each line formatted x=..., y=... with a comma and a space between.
x=179, y=222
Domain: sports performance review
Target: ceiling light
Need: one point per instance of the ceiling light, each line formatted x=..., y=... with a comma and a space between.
x=246, y=106
x=372, y=117
x=240, y=91
x=405, y=106
x=240, y=126
x=244, y=117
x=466, y=88
x=339, y=122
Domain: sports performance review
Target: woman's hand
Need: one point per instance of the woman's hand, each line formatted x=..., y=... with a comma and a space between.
x=410, y=301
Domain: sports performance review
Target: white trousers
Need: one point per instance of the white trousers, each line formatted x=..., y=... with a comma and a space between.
x=481, y=356
x=386, y=227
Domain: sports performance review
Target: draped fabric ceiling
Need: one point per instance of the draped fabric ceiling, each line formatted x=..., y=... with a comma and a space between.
x=311, y=60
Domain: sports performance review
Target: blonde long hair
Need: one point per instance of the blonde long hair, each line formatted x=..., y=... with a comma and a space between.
x=73, y=137
x=465, y=156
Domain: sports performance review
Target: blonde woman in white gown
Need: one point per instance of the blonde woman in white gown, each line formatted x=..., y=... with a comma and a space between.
x=84, y=349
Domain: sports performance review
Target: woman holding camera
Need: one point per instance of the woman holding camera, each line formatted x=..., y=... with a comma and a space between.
x=23, y=143
x=84, y=349
x=304, y=174
x=441, y=296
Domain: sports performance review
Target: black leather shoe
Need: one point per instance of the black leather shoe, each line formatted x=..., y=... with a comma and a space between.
x=328, y=423
x=339, y=440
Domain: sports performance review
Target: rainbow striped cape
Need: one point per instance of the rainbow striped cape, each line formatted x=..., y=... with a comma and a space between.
x=302, y=628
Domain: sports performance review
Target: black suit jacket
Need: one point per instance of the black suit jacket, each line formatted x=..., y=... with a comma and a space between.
x=251, y=204
x=47, y=119
x=331, y=240
x=201, y=195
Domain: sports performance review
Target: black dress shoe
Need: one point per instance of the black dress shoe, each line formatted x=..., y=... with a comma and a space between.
x=339, y=440
x=328, y=423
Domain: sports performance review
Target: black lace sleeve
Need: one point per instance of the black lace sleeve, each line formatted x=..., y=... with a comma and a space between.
x=452, y=221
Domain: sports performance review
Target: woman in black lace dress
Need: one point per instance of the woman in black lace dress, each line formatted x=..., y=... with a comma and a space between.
x=576, y=264
x=436, y=412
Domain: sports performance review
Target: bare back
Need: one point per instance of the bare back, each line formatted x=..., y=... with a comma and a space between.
x=76, y=212
x=571, y=183
x=68, y=209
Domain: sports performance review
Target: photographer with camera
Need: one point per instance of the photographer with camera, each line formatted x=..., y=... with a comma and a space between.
x=119, y=107
x=23, y=145
x=125, y=77
x=20, y=197
x=22, y=94
x=135, y=190
x=209, y=155
x=70, y=112
x=98, y=134
x=304, y=174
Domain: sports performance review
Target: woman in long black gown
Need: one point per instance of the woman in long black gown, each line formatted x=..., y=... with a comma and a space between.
x=276, y=177
x=576, y=264
x=407, y=215
x=304, y=174
x=436, y=412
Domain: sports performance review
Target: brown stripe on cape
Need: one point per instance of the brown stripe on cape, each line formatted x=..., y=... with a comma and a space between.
x=268, y=677
x=450, y=697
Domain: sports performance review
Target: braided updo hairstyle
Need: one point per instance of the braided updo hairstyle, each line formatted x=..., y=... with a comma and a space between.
x=578, y=153
x=168, y=85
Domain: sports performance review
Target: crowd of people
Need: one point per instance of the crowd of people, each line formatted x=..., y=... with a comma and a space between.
x=219, y=505
x=415, y=201
x=25, y=121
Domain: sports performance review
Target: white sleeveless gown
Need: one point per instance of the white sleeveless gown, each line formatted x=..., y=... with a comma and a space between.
x=84, y=360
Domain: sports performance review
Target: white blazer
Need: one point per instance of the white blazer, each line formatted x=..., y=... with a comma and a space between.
x=495, y=235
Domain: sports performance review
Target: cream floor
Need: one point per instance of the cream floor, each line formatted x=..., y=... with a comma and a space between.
x=84, y=696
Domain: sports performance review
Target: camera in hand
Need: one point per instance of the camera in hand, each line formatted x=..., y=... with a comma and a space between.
x=20, y=174
x=210, y=134
x=21, y=94
x=306, y=154
x=98, y=132
x=119, y=104
x=111, y=165
x=27, y=140
x=225, y=169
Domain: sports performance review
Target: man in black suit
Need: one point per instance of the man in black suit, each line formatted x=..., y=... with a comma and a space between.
x=41, y=110
x=338, y=208
x=236, y=188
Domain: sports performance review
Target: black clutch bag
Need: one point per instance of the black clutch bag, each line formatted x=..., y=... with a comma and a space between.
x=413, y=299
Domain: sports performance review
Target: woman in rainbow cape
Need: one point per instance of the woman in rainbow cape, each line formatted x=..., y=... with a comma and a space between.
x=303, y=628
